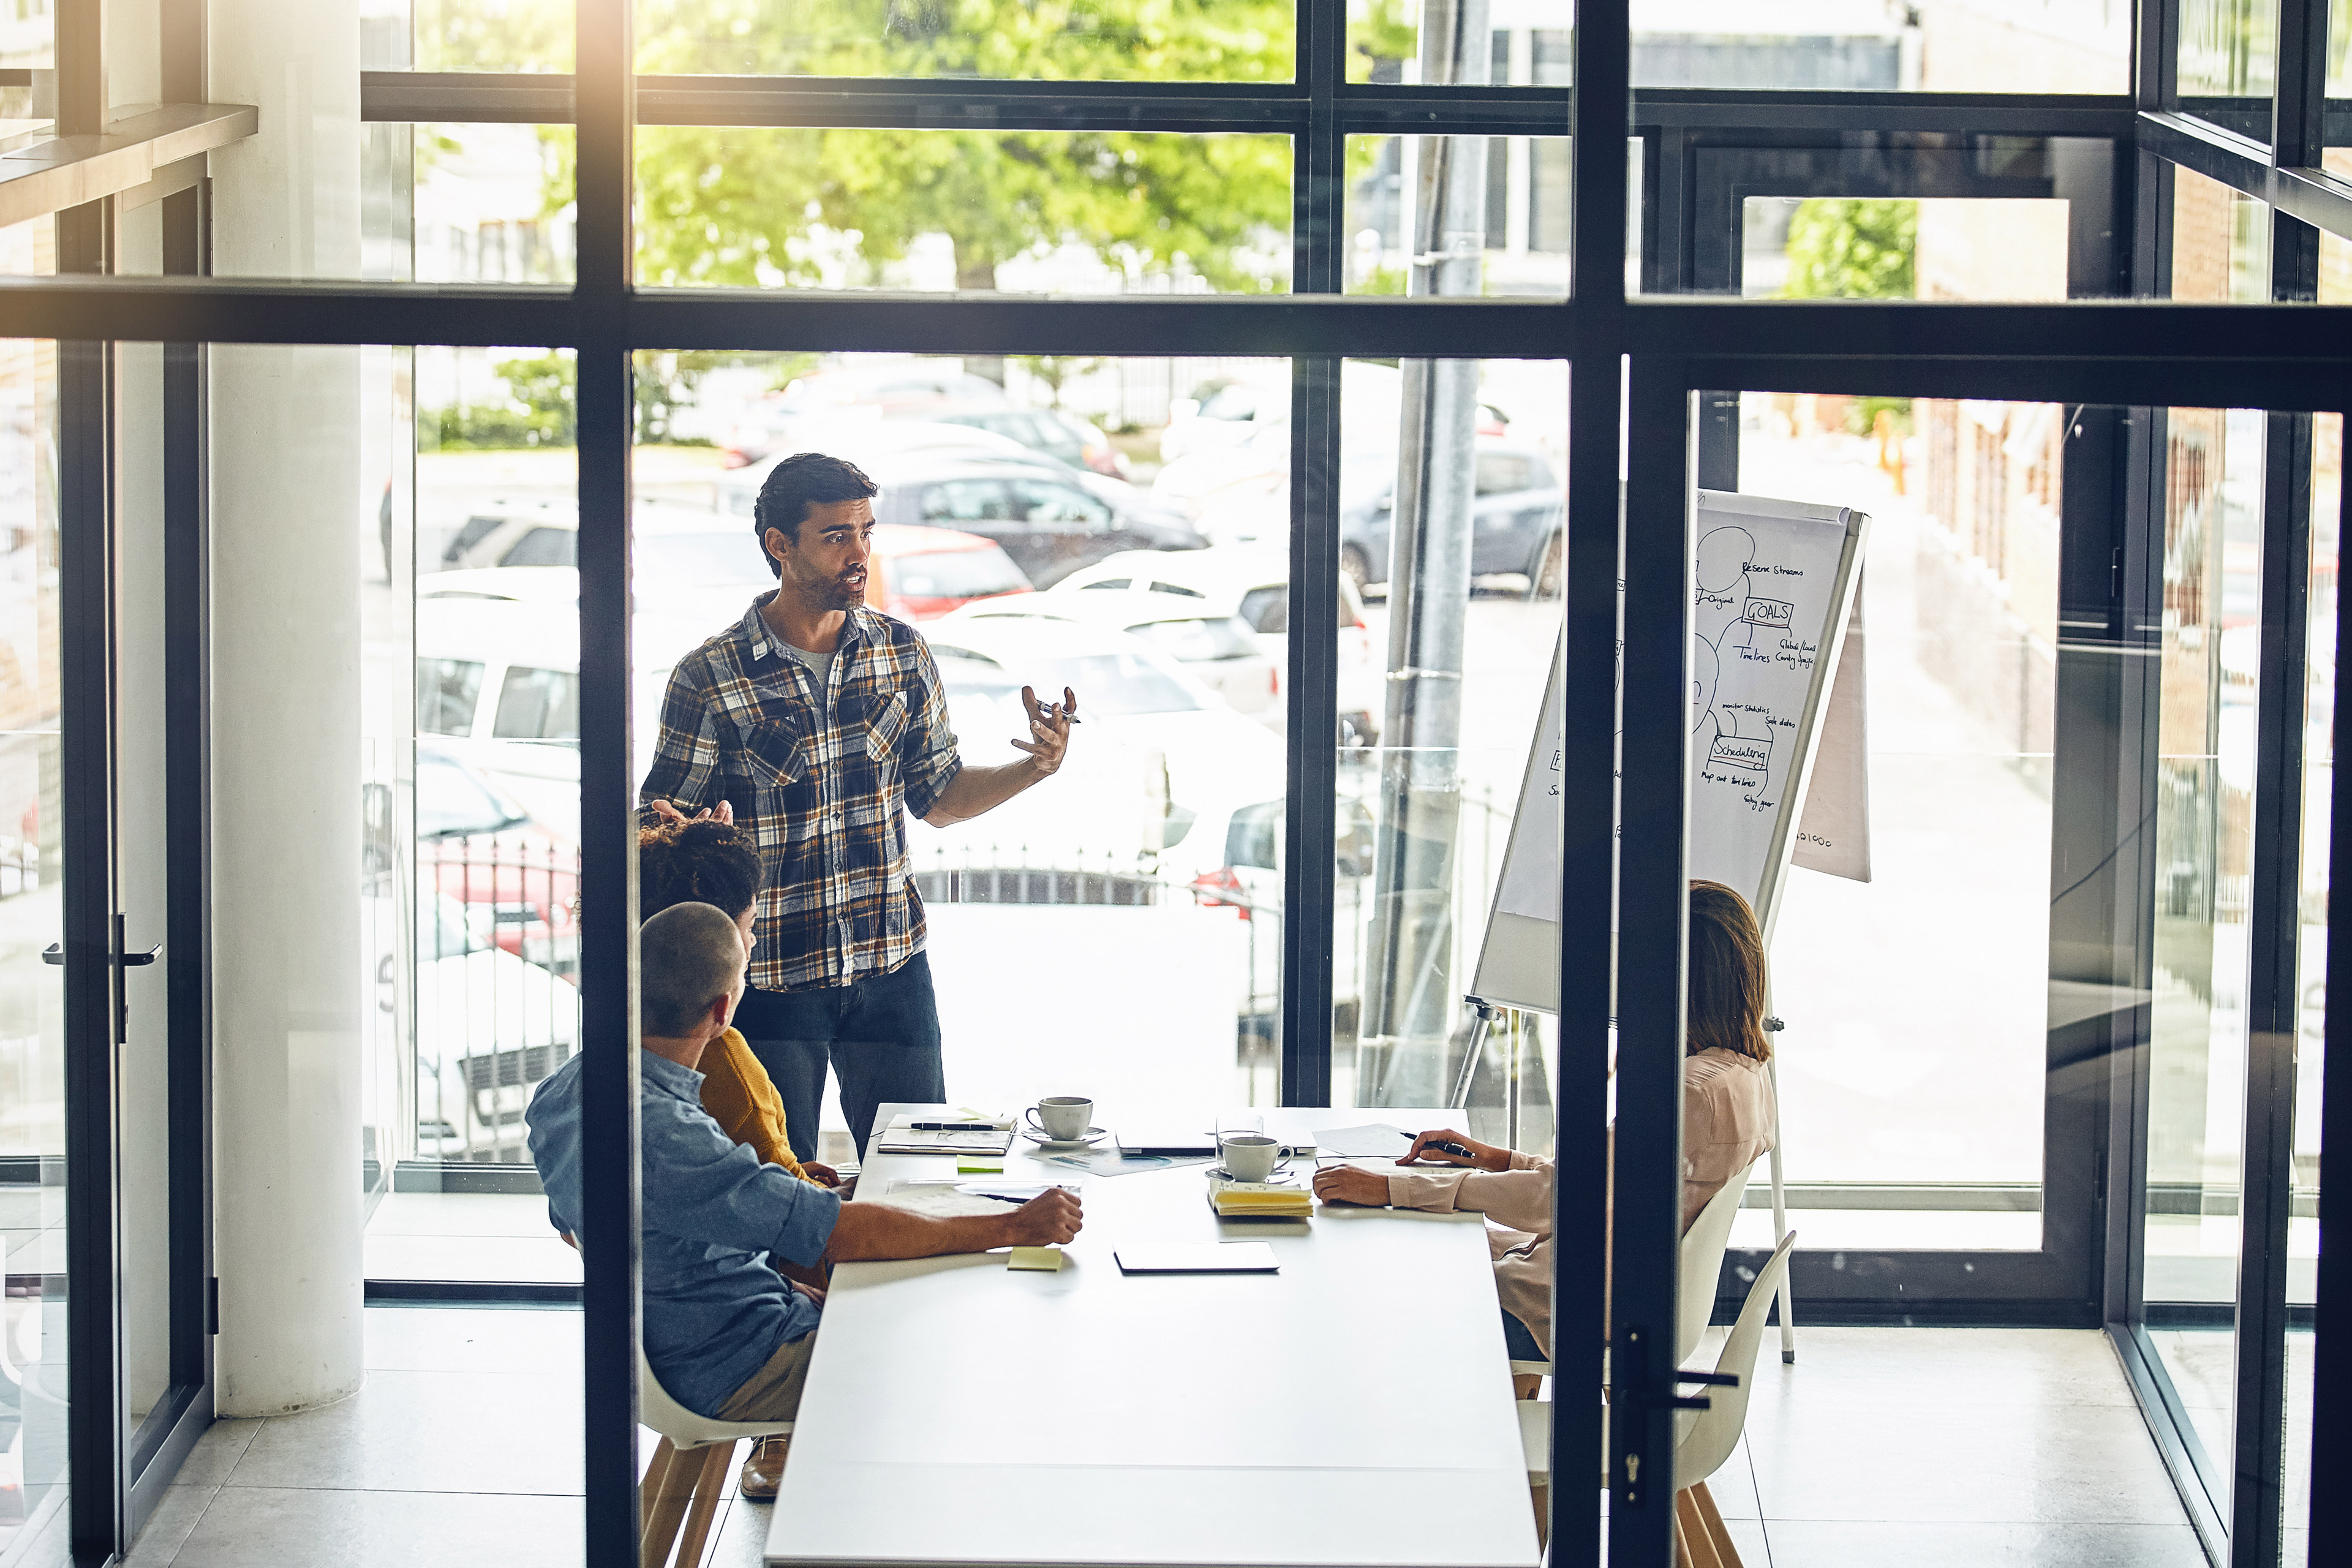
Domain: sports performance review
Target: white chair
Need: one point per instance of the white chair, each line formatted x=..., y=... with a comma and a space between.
x=673, y=1481
x=1703, y=1247
x=1704, y=1439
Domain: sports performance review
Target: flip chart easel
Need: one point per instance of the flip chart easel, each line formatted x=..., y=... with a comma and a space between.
x=1774, y=595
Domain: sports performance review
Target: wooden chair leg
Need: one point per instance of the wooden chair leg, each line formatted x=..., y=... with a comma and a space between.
x=669, y=1502
x=1691, y=1541
x=649, y=1485
x=1539, y=1494
x=1726, y=1553
x=707, y=1489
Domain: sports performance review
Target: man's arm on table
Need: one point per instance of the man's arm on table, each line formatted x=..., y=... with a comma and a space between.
x=874, y=1231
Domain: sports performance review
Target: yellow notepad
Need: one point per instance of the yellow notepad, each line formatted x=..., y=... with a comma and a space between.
x=1259, y=1200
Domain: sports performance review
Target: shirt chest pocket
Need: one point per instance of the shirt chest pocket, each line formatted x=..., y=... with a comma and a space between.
x=776, y=750
x=884, y=724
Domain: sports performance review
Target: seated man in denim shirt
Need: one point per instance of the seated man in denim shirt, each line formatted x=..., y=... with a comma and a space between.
x=724, y=1332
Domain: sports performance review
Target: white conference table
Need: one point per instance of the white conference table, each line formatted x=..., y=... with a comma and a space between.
x=1353, y=1409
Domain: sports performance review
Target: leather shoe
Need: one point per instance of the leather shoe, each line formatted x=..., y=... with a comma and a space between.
x=764, y=1469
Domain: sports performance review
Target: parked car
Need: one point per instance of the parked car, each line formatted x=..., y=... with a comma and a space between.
x=782, y=422
x=917, y=574
x=677, y=547
x=1193, y=762
x=882, y=446
x=498, y=683
x=1046, y=522
x=1218, y=650
x=1517, y=513
x=1252, y=583
x=1058, y=434
x=477, y=844
x=490, y=1026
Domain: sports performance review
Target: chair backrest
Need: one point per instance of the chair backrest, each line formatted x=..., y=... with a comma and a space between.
x=1704, y=1438
x=1702, y=1263
x=657, y=1410
x=683, y=1427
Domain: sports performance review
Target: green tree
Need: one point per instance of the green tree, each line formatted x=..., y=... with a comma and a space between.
x=1054, y=371
x=1848, y=248
x=734, y=206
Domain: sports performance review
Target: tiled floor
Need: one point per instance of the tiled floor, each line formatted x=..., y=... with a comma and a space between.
x=467, y=1235
x=1935, y=1446
x=1923, y=1447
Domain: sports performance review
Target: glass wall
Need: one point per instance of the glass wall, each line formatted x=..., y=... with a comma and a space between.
x=1958, y=660
x=2204, y=835
x=1118, y=527
x=1451, y=518
x=32, y=993
x=470, y=673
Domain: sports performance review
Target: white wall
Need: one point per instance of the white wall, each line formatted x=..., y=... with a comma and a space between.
x=285, y=727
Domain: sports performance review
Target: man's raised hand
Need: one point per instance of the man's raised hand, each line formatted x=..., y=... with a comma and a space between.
x=1049, y=730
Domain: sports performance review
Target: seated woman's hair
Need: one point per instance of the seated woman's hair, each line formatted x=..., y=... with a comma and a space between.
x=1726, y=1009
x=698, y=863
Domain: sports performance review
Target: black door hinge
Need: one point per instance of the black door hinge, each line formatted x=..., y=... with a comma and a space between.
x=212, y=1304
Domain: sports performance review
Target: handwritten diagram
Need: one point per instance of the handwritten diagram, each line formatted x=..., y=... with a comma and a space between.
x=1761, y=587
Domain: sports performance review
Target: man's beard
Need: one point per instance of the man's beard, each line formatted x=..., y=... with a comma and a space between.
x=842, y=593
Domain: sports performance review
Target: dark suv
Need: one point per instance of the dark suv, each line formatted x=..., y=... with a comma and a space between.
x=1044, y=519
x=1515, y=521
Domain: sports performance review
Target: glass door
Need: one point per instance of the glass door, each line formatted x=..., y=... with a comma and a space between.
x=124, y=939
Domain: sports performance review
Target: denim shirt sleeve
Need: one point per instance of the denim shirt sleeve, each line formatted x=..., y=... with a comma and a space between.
x=701, y=1186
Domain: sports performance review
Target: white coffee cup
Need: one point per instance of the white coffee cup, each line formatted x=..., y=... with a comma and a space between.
x=1250, y=1156
x=1065, y=1118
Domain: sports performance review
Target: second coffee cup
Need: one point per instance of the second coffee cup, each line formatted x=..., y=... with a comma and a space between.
x=1250, y=1156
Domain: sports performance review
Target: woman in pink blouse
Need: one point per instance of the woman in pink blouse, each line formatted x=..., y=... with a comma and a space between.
x=1728, y=1120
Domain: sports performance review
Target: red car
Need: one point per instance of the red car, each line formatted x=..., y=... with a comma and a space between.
x=921, y=573
x=479, y=846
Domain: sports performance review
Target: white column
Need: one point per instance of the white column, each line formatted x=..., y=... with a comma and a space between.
x=285, y=727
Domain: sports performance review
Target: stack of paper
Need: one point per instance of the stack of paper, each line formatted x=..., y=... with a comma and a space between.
x=941, y=1134
x=1259, y=1200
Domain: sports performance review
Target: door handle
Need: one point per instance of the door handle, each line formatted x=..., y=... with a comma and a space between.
x=55, y=953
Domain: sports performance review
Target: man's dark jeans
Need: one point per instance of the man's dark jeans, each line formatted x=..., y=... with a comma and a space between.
x=881, y=1032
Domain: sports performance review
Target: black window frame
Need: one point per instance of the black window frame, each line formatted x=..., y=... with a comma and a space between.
x=1648, y=358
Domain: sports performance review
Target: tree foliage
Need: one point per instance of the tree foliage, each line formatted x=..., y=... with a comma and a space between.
x=1852, y=248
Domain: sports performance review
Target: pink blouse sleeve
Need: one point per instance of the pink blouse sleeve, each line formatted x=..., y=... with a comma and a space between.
x=1520, y=1197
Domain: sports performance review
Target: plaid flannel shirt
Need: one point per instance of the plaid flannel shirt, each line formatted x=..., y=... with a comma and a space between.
x=817, y=785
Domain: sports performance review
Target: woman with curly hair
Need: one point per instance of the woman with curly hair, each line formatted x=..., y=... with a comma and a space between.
x=712, y=862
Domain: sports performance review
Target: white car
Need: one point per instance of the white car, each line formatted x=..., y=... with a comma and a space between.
x=1216, y=646
x=490, y=1026
x=1160, y=772
x=1251, y=583
x=498, y=676
x=683, y=556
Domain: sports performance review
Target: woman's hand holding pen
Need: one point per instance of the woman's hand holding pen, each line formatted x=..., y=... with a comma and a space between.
x=1446, y=1147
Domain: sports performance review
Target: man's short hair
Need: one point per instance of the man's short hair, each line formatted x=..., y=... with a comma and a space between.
x=793, y=485
x=688, y=957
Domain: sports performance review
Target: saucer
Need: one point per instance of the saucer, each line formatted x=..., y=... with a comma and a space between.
x=1094, y=1135
x=1281, y=1175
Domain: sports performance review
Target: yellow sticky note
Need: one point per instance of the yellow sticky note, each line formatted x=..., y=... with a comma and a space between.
x=1048, y=1258
x=966, y=1166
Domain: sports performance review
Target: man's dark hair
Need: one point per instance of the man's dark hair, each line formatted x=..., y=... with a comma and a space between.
x=792, y=485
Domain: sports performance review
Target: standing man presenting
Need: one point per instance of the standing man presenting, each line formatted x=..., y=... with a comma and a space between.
x=813, y=720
